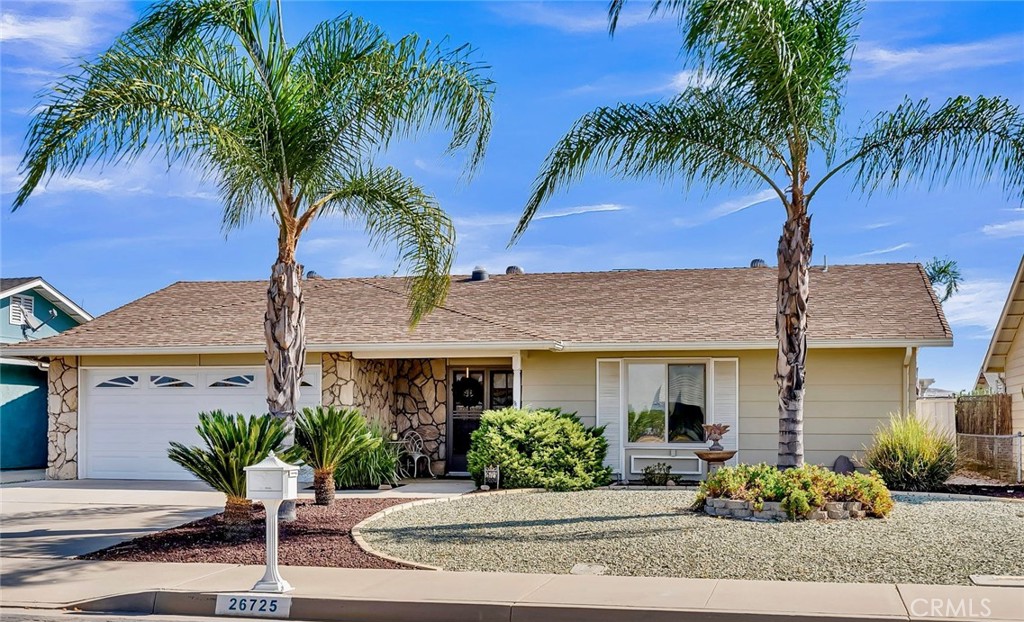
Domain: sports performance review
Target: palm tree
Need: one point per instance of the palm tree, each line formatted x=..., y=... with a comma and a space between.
x=233, y=442
x=766, y=108
x=329, y=438
x=286, y=130
x=944, y=272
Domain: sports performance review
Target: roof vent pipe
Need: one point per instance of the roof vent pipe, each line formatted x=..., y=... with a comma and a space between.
x=514, y=270
x=479, y=274
x=758, y=263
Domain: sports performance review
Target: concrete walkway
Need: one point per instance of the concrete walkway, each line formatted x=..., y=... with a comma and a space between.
x=420, y=596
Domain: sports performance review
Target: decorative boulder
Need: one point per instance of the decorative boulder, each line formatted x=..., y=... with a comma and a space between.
x=843, y=465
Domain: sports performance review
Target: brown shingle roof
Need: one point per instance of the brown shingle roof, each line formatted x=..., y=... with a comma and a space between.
x=716, y=307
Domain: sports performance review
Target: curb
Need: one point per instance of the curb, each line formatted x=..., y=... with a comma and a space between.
x=357, y=530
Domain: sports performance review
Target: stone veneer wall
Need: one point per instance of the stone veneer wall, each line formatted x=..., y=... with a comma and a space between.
x=375, y=390
x=338, y=385
x=62, y=410
x=421, y=404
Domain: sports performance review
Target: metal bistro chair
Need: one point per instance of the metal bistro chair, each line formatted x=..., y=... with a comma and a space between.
x=412, y=445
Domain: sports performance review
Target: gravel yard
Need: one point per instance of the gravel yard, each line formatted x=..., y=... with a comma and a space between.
x=653, y=533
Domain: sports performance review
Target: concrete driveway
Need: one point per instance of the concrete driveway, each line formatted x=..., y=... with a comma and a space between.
x=61, y=519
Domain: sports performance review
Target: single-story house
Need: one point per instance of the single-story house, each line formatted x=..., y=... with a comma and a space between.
x=1002, y=370
x=649, y=354
x=30, y=309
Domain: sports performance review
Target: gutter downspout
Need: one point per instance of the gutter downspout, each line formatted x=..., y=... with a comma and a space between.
x=906, y=381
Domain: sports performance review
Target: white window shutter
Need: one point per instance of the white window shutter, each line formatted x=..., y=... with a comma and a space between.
x=726, y=408
x=609, y=411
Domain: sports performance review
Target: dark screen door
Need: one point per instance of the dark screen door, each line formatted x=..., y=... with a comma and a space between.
x=473, y=391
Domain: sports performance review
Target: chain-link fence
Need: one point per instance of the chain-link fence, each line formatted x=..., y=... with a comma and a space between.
x=996, y=456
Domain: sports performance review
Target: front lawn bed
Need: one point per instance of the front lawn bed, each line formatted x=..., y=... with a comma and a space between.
x=320, y=537
x=654, y=533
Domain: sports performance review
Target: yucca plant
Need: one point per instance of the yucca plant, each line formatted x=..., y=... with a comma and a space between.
x=233, y=442
x=328, y=438
x=912, y=455
x=373, y=467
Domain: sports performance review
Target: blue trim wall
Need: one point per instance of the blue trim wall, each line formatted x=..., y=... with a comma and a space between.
x=23, y=418
x=11, y=333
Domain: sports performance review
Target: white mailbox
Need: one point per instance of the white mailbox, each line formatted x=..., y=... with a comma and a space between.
x=272, y=479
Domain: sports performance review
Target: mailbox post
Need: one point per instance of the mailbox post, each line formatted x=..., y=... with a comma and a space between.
x=272, y=481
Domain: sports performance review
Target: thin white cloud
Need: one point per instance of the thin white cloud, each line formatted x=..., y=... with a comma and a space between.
x=1012, y=229
x=885, y=251
x=434, y=168
x=497, y=220
x=978, y=303
x=574, y=18
x=581, y=209
x=727, y=207
x=873, y=60
x=630, y=85
x=59, y=30
x=877, y=225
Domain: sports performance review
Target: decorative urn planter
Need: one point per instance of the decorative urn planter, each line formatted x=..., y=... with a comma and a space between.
x=715, y=455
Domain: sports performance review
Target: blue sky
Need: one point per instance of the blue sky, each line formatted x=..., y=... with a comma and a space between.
x=106, y=237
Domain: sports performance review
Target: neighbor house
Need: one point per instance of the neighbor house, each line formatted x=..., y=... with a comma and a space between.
x=1002, y=370
x=650, y=355
x=30, y=309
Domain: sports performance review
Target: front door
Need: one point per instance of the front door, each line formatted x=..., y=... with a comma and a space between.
x=473, y=392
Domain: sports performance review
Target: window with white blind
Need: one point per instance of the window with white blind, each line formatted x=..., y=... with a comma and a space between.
x=666, y=402
x=21, y=308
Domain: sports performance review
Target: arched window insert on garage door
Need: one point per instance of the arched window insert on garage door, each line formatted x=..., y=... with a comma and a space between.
x=243, y=380
x=169, y=381
x=119, y=382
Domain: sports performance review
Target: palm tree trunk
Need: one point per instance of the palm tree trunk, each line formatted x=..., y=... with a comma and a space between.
x=285, y=328
x=323, y=486
x=237, y=511
x=791, y=328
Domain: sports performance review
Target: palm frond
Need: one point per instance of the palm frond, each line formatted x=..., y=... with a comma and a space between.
x=977, y=140
x=702, y=134
x=397, y=211
x=329, y=437
x=232, y=442
x=944, y=272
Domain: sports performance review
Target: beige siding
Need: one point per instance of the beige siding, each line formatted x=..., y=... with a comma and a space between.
x=1015, y=378
x=849, y=393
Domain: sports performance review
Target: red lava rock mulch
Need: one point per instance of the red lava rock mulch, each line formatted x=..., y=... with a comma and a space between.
x=319, y=537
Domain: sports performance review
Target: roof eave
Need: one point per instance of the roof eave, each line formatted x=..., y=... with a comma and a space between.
x=392, y=350
x=1018, y=281
x=51, y=293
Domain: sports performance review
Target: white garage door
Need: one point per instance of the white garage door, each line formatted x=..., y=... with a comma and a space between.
x=128, y=416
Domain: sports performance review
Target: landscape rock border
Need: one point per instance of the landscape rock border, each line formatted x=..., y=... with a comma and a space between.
x=772, y=510
x=357, y=531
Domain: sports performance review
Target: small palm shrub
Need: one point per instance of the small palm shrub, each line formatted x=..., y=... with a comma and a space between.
x=233, y=442
x=372, y=467
x=329, y=437
x=539, y=449
x=799, y=490
x=911, y=455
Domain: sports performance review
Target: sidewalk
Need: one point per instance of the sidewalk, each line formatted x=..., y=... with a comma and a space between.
x=419, y=596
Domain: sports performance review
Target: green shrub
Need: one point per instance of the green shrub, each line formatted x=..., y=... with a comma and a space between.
x=233, y=442
x=329, y=437
x=911, y=455
x=799, y=490
x=372, y=467
x=657, y=474
x=539, y=449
